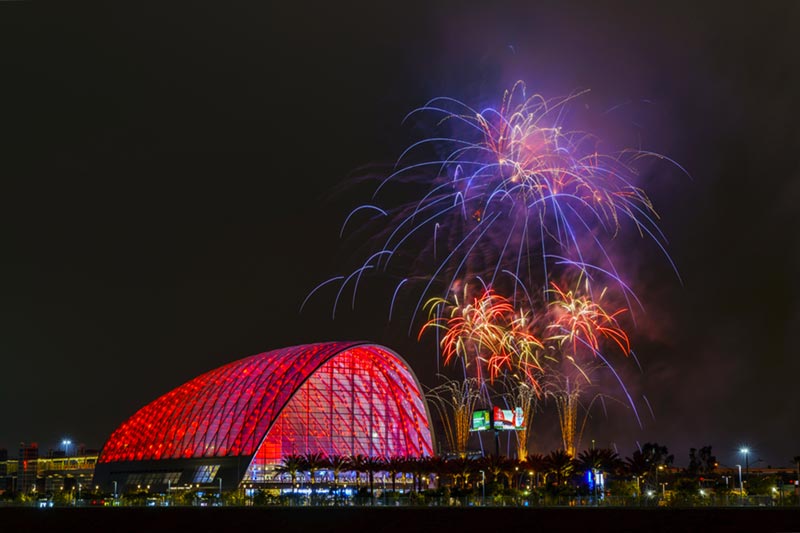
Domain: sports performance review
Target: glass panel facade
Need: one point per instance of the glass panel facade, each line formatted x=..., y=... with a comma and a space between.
x=205, y=474
x=362, y=401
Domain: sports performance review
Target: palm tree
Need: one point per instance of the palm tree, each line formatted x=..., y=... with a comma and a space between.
x=313, y=461
x=394, y=465
x=495, y=465
x=602, y=459
x=511, y=472
x=291, y=464
x=461, y=468
x=534, y=463
x=433, y=465
x=358, y=465
x=637, y=467
x=560, y=464
x=337, y=464
x=416, y=466
x=598, y=460
x=373, y=464
x=637, y=464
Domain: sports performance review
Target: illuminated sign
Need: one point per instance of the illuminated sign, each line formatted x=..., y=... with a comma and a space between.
x=481, y=420
x=507, y=419
x=498, y=419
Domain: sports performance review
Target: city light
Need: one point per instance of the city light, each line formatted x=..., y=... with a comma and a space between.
x=746, y=452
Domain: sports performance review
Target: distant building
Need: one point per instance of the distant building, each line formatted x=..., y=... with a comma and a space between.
x=71, y=473
x=236, y=423
x=31, y=473
x=5, y=479
x=27, y=463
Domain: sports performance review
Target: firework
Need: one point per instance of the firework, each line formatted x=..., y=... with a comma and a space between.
x=487, y=334
x=583, y=322
x=566, y=388
x=512, y=197
x=519, y=392
x=455, y=401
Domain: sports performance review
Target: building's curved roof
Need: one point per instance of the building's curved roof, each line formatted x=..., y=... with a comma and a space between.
x=229, y=410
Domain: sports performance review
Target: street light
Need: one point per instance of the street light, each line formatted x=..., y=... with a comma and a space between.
x=659, y=467
x=115, y=489
x=220, y=490
x=746, y=452
x=741, y=488
x=483, y=488
x=66, y=443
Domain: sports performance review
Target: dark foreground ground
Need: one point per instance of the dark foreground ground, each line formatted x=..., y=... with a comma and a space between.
x=407, y=520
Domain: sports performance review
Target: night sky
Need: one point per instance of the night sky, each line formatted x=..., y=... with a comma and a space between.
x=174, y=181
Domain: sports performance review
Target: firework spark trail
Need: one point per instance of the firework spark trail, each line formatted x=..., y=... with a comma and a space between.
x=520, y=393
x=454, y=401
x=486, y=333
x=512, y=191
x=512, y=168
x=577, y=317
x=513, y=164
x=477, y=327
x=394, y=297
x=357, y=209
x=585, y=374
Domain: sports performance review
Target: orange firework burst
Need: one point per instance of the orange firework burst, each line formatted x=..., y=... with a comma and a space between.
x=525, y=346
x=488, y=331
x=579, y=320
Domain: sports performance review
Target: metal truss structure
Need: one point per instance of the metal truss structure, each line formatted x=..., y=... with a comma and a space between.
x=337, y=398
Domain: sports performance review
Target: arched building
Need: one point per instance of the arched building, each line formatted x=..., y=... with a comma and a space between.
x=233, y=424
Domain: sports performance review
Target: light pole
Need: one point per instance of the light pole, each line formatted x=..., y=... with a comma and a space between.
x=659, y=467
x=65, y=443
x=727, y=484
x=220, y=490
x=115, y=489
x=746, y=452
x=741, y=488
x=483, y=488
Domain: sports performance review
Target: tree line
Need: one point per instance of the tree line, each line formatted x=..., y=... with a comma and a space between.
x=596, y=475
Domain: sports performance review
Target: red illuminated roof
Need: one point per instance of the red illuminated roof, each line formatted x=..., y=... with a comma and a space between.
x=229, y=411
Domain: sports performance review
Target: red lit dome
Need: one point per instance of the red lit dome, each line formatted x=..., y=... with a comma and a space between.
x=336, y=398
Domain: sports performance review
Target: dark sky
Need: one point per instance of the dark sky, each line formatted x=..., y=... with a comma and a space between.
x=172, y=189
